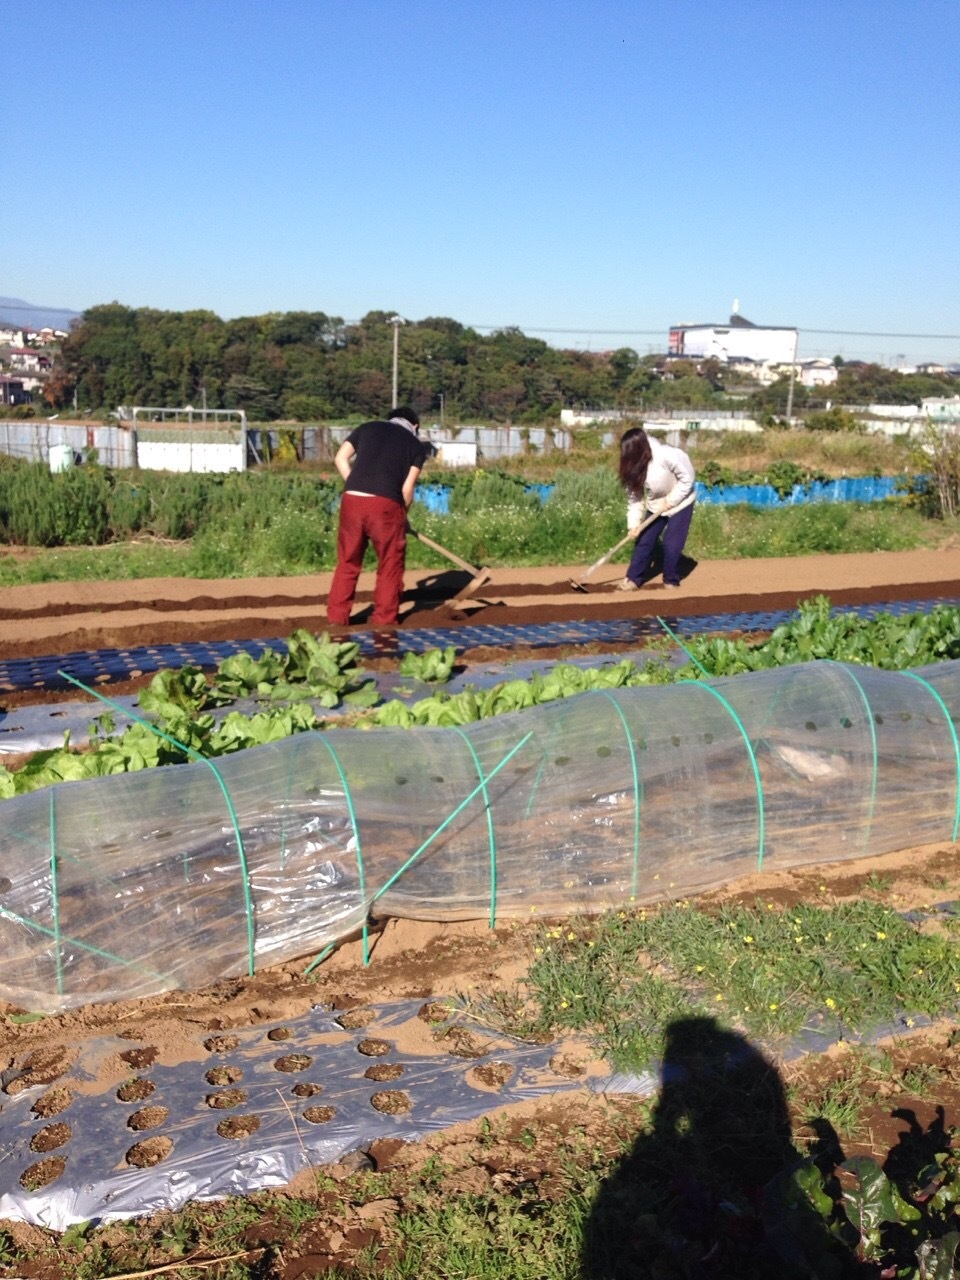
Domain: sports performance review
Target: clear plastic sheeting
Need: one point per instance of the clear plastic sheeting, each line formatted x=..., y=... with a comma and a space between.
x=140, y=883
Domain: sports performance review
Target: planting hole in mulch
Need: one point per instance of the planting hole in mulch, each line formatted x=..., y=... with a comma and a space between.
x=224, y=1075
x=355, y=1018
x=139, y=1058
x=384, y=1071
x=51, y=1137
x=566, y=1067
x=221, y=1044
x=374, y=1048
x=461, y=1043
x=238, y=1126
x=390, y=1102
x=144, y=1155
x=305, y=1090
x=42, y=1173
x=42, y=1066
x=52, y=1103
x=224, y=1098
x=136, y=1090
x=493, y=1074
x=148, y=1118
x=293, y=1062
x=319, y=1115
x=434, y=1011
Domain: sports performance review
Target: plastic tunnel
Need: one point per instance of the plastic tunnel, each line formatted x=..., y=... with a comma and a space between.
x=175, y=877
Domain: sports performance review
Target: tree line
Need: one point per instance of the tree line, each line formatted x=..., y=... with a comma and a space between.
x=308, y=366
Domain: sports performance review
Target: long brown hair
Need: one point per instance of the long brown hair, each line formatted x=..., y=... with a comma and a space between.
x=635, y=457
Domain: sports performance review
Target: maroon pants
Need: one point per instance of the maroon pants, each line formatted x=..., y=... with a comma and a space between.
x=384, y=523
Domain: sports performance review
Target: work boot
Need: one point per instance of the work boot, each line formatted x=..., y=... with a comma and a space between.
x=627, y=584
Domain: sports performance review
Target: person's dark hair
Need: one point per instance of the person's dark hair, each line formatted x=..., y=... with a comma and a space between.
x=404, y=411
x=635, y=456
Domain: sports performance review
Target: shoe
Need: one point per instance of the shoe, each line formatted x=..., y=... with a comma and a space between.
x=673, y=586
x=627, y=584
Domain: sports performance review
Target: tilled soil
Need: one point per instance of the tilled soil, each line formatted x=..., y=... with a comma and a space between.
x=59, y=618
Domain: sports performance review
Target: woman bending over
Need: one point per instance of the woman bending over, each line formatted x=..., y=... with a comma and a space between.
x=659, y=480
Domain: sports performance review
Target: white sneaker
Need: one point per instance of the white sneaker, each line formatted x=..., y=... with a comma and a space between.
x=627, y=584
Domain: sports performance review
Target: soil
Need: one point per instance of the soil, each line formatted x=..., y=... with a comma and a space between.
x=58, y=618
x=427, y=961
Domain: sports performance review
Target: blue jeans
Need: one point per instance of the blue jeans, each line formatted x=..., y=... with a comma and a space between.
x=674, y=530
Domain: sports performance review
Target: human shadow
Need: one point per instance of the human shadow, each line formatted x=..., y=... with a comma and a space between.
x=708, y=1191
x=685, y=566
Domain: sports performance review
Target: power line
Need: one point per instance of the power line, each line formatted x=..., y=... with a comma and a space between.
x=626, y=333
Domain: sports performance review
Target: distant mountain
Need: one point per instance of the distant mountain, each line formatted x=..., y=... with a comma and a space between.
x=27, y=315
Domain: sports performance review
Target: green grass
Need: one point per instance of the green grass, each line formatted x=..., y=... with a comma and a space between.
x=769, y=973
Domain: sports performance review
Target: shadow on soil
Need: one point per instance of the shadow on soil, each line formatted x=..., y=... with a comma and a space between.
x=717, y=1188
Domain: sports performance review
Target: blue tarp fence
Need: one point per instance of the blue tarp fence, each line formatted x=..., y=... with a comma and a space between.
x=436, y=497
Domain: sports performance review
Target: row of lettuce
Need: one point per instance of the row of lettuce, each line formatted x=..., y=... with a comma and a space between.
x=180, y=718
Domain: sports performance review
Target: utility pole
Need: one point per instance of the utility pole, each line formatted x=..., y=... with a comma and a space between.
x=793, y=372
x=396, y=321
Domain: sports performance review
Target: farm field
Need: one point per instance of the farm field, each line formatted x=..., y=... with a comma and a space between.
x=519, y=1163
x=63, y=617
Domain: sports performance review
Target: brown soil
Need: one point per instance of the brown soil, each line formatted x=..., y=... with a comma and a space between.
x=60, y=618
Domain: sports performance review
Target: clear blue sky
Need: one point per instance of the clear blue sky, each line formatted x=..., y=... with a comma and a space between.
x=570, y=165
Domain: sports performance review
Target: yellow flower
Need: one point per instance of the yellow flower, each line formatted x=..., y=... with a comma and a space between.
x=774, y=1006
x=748, y=937
x=880, y=935
x=564, y=1004
x=700, y=970
x=571, y=937
x=538, y=951
x=830, y=1002
x=718, y=996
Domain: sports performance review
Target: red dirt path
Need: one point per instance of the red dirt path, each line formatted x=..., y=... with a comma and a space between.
x=57, y=618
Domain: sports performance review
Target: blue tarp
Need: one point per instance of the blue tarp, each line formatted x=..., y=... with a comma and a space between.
x=436, y=497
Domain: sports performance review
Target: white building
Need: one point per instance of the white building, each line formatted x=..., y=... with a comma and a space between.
x=816, y=373
x=736, y=340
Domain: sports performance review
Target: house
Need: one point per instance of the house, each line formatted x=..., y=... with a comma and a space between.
x=819, y=372
x=12, y=390
x=737, y=339
x=10, y=337
x=27, y=360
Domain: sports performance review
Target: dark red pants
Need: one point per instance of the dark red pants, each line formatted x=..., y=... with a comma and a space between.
x=384, y=523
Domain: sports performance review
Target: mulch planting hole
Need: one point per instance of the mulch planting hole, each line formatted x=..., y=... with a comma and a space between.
x=355, y=1018
x=390, y=1102
x=384, y=1071
x=52, y=1103
x=143, y=1155
x=493, y=1074
x=42, y=1173
x=319, y=1115
x=293, y=1062
x=136, y=1090
x=305, y=1090
x=224, y=1075
x=139, y=1058
x=238, y=1126
x=221, y=1044
x=51, y=1137
x=374, y=1048
x=226, y=1098
x=148, y=1118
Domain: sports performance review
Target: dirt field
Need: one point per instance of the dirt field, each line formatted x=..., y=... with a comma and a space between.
x=60, y=618
x=423, y=961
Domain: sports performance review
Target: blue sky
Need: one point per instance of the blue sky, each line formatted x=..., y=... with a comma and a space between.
x=560, y=165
